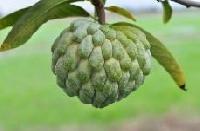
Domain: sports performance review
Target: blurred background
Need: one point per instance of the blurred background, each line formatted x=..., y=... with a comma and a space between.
x=30, y=99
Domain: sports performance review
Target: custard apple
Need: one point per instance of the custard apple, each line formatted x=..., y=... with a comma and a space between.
x=100, y=64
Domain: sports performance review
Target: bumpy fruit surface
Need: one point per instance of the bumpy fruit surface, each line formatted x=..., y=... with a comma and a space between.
x=98, y=63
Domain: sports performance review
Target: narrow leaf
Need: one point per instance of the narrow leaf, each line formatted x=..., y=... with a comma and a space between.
x=65, y=10
x=166, y=59
x=162, y=55
x=10, y=19
x=57, y=12
x=37, y=15
x=167, y=11
x=121, y=11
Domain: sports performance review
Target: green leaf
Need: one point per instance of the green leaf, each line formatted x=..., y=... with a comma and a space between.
x=57, y=12
x=121, y=11
x=37, y=15
x=124, y=24
x=10, y=19
x=167, y=11
x=65, y=10
x=162, y=55
x=166, y=59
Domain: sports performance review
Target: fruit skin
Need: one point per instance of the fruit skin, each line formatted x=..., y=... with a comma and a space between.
x=98, y=63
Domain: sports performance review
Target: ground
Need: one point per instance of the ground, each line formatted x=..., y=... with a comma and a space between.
x=30, y=98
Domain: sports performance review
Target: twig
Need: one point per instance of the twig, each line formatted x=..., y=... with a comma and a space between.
x=99, y=7
x=188, y=3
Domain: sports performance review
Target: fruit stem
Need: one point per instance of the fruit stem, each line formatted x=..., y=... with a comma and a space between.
x=100, y=12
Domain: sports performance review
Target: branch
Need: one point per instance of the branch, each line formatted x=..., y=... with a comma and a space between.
x=188, y=3
x=99, y=7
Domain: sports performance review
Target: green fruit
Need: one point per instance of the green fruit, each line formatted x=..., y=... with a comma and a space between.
x=98, y=63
